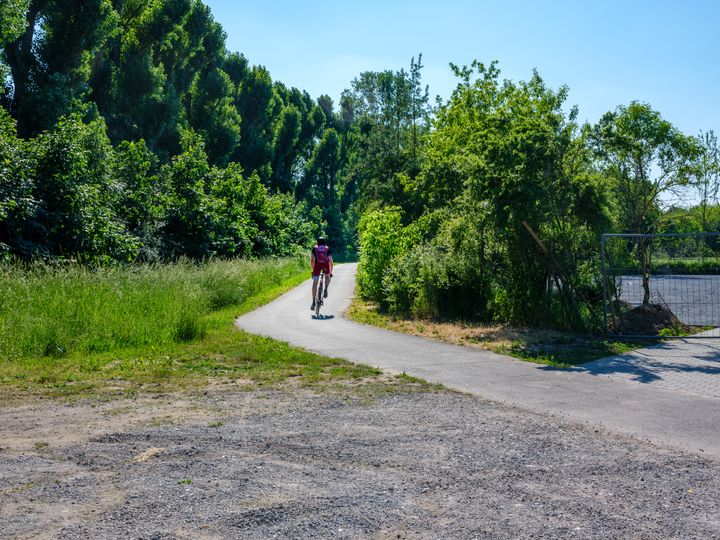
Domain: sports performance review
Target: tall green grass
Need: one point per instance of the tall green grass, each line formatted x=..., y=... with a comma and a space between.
x=52, y=313
x=76, y=333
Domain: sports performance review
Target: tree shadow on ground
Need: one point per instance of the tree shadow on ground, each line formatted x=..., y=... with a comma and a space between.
x=653, y=363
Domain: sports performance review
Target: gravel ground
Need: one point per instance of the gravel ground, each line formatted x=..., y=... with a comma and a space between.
x=302, y=465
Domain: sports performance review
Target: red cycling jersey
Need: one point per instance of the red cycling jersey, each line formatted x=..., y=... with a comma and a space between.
x=322, y=255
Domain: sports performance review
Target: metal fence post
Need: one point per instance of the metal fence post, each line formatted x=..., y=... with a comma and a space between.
x=605, y=287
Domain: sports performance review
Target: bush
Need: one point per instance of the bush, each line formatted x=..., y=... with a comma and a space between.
x=381, y=241
x=188, y=222
x=215, y=211
x=697, y=266
x=17, y=205
x=68, y=195
x=447, y=278
x=75, y=193
x=142, y=198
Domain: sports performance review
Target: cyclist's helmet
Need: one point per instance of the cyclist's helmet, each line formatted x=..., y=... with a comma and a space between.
x=321, y=240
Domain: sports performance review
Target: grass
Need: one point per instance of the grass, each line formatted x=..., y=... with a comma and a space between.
x=559, y=349
x=686, y=266
x=116, y=332
x=53, y=313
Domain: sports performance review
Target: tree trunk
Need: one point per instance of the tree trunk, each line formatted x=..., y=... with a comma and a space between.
x=645, y=257
x=19, y=58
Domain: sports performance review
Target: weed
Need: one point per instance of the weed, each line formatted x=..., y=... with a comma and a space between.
x=188, y=327
x=676, y=330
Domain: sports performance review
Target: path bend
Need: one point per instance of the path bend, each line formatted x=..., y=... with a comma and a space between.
x=678, y=419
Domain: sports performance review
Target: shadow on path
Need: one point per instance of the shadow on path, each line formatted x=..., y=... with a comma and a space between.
x=682, y=364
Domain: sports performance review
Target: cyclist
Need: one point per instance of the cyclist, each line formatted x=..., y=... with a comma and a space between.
x=320, y=259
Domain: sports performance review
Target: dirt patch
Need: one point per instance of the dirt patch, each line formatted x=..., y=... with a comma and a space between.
x=298, y=464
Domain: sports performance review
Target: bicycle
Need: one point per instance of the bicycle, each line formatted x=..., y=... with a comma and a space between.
x=320, y=291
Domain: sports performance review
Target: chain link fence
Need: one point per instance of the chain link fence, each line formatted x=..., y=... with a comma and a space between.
x=662, y=284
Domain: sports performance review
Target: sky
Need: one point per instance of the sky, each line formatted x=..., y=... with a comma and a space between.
x=609, y=53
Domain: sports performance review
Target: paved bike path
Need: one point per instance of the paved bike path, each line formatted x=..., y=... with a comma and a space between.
x=678, y=419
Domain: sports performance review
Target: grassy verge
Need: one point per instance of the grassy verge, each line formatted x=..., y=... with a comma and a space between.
x=559, y=349
x=116, y=332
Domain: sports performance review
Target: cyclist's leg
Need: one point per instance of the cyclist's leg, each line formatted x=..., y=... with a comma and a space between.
x=328, y=277
x=314, y=290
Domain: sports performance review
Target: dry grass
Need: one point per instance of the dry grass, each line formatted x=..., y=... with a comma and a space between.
x=561, y=349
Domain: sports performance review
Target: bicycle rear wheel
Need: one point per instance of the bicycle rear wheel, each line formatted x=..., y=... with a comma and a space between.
x=319, y=299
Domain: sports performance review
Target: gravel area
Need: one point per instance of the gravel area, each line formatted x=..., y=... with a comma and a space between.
x=297, y=464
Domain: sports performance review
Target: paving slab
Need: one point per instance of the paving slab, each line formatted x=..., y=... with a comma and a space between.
x=603, y=395
x=688, y=365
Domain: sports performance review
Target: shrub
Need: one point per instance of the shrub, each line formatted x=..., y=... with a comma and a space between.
x=381, y=241
x=17, y=204
x=75, y=193
x=447, y=278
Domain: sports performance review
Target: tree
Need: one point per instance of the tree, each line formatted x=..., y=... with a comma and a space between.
x=17, y=204
x=162, y=67
x=236, y=66
x=312, y=123
x=12, y=20
x=325, y=102
x=500, y=154
x=189, y=221
x=258, y=105
x=647, y=160
x=130, y=81
x=141, y=201
x=320, y=182
x=51, y=61
x=212, y=113
x=285, y=141
x=235, y=231
x=320, y=185
x=155, y=78
x=707, y=176
x=385, y=117
x=419, y=103
x=508, y=154
x=76, y=195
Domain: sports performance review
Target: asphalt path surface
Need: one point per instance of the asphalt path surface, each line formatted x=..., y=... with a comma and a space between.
x=695, y=300
x=677, y=419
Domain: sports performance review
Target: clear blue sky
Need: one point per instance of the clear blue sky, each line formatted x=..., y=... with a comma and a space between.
x=608, y=52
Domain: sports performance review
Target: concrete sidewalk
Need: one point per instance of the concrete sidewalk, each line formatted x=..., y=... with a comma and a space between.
x=691, y=366
x=597, y=395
